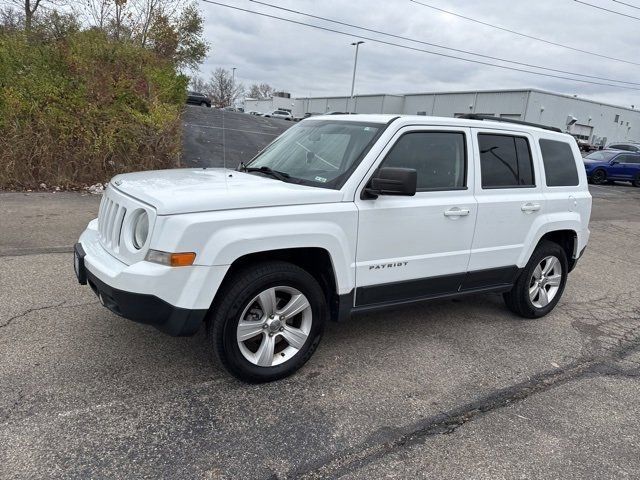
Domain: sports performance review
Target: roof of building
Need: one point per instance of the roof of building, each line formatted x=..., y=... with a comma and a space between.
x=457, y=92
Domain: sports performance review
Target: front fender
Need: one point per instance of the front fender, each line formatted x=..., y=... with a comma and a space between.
x=220, y=238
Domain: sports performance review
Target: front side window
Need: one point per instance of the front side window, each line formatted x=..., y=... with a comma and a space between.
x=505, y=161
x=559, y=164
x=320, y=153
x=601, y=156
x=439, y=159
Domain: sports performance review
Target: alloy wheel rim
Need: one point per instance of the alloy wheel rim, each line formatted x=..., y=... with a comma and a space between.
x=274, y=326
x=545, y=281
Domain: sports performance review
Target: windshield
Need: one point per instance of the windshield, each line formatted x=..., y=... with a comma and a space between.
x=601, y=156
x=319, y=153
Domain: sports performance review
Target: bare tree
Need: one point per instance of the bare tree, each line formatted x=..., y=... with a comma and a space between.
x=99, y=11
x=224, y=91
x=119, y=15
x=30, y=7
x=198, y=84
x=145, y=13
x=262, y=91
x=10, y=19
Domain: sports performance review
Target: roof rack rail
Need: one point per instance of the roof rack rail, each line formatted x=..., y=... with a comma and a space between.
x=474, y=116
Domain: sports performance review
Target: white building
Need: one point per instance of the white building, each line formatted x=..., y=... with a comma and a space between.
x=597, y=122
x=279, y=101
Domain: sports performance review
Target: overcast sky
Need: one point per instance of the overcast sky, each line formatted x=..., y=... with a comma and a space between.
x=306, y=61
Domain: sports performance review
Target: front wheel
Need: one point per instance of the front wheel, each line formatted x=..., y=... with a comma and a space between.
x=541, y=283
x=636, y=181
x=268, y=322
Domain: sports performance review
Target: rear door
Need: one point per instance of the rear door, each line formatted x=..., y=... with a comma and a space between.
x=510, y=201
x=626, y=167
x=634, y=164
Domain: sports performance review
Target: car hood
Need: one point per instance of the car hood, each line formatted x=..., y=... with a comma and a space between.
x=588, y=161
x=201, y=190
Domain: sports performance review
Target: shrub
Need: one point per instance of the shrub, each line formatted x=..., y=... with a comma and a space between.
x=77, y=110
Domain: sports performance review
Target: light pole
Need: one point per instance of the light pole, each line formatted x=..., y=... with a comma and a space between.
x=355, y=64
x=233, y=84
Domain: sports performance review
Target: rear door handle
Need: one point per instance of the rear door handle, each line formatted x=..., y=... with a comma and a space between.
x=457, y=212
x=530, y=207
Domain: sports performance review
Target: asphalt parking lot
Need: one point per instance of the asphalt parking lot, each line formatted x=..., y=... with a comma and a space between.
x=216, y=138
x=449, y=389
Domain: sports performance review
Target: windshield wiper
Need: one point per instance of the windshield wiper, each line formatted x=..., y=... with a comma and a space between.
x=282, y=176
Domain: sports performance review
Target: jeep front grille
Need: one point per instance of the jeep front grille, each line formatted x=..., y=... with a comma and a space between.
x=110, y=218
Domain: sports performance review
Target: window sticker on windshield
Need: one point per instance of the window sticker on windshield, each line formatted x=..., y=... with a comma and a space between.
x=366, y=129
x=321, y=179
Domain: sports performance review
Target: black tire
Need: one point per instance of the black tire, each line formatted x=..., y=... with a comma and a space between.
x=236, y=295
x=517, y=299
x=636, y=181
x=599, y=177
x=205, y=104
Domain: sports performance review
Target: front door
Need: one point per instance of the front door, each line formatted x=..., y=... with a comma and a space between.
x=417, y=247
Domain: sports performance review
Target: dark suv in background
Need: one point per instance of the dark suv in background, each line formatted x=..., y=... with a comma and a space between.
x=196, y=98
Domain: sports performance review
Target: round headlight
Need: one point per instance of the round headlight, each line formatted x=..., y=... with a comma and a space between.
x=140, y=230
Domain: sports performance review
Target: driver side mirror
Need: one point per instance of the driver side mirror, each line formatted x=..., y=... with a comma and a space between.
x=614, y=162
x=392, y=181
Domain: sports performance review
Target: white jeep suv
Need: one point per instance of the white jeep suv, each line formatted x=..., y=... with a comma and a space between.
x=340, y=215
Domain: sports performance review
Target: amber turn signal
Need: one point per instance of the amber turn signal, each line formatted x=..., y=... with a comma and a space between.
x=183, y=259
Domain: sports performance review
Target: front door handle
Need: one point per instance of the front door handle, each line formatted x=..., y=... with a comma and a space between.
x=457, y=212
x=530, y=207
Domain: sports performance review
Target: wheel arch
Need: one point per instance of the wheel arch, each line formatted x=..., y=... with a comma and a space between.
x=567, y=239
x=316, y=261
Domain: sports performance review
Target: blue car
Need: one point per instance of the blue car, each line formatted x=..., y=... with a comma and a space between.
x=609, y=165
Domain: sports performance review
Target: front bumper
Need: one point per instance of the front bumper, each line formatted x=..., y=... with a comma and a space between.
x=173, y=299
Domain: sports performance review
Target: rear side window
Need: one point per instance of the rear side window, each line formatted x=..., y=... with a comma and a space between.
x=505, y=161
x=559, y=163
x=439, y=159
x=628, y=158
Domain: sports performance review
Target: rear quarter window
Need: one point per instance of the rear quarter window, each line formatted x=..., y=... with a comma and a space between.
x=559, y=164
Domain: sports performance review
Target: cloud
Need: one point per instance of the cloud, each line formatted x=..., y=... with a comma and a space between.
x=307, y=61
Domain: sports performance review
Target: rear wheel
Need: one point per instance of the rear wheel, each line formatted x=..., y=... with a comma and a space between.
x=204, y=104
x=268, y=322
x=598, y=177
x=636, y=181
x=541, y=283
